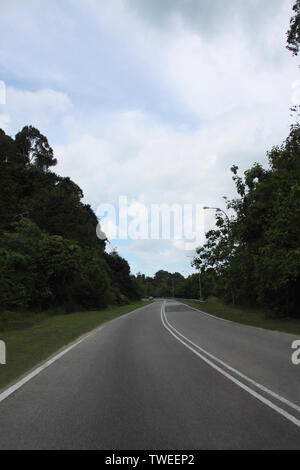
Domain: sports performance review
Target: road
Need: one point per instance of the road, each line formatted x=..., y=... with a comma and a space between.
x=162, y=377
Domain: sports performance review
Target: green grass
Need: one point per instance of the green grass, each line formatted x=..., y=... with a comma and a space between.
x=32, y=338
x=248, y=316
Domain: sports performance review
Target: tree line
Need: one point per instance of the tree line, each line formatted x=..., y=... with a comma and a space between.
x=165, y=284
x=49, y=253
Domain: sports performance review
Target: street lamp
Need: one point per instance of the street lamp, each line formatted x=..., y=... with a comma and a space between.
x=173, y=288
x=218, y=209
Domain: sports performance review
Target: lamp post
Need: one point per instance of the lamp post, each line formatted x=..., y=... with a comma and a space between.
x=173, y=288
x=200, y=286
x=218, y=209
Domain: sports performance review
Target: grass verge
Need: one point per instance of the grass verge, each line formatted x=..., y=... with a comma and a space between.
x=41, y=335
x=247, y=316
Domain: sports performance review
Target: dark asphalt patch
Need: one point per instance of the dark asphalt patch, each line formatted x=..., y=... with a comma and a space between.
x=176, y=308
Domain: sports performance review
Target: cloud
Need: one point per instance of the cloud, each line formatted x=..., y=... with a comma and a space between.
x=153, y=256
x=142, y=158
x=44, y=109
x=5, y=122
x=150, y=162
x=46, y=100
x=205, y=17
x=154, y=100
x=224, y=75
x=113, y=54
x=139, y=157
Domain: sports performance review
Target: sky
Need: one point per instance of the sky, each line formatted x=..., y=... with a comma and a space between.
x=152, y=100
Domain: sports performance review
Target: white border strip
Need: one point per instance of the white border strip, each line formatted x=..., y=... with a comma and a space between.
x=264, y=400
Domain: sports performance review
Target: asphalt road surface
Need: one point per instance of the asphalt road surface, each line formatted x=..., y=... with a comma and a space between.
x=162, y=377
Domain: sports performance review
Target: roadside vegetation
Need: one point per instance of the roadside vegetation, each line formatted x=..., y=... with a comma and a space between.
x=34, y=338
x=50, y=256
x=247, y=316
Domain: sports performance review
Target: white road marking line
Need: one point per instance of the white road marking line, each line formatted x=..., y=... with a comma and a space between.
x=261, y=398
x=6, y=393
x=39, y=369
x=237, y=372
x=35, y=372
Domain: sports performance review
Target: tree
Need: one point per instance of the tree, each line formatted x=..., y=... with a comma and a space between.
x=293, y=34
x=50, y=255
x=34, y=149
x=7, y=148
x=39, y=270
x=126, y=287
x=258, y=251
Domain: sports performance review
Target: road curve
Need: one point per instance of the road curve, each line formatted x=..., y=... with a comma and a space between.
x=162, y=377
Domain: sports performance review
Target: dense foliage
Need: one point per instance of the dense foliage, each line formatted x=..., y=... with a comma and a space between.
x=165, y=284
x=49, y=253
x=256, y=253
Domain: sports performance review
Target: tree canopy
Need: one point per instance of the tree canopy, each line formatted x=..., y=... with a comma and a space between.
x=50, y=254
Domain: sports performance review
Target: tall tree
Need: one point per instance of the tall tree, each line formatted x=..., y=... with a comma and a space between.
x=34, y=149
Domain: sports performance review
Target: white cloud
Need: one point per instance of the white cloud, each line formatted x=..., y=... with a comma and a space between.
x=230, y=72
x=5, y=122
x=158, y=256
x=149, y=162
x=145, y=159
x=45, y=109
x=139, y=156
x=37, y=102
x=149, y=99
